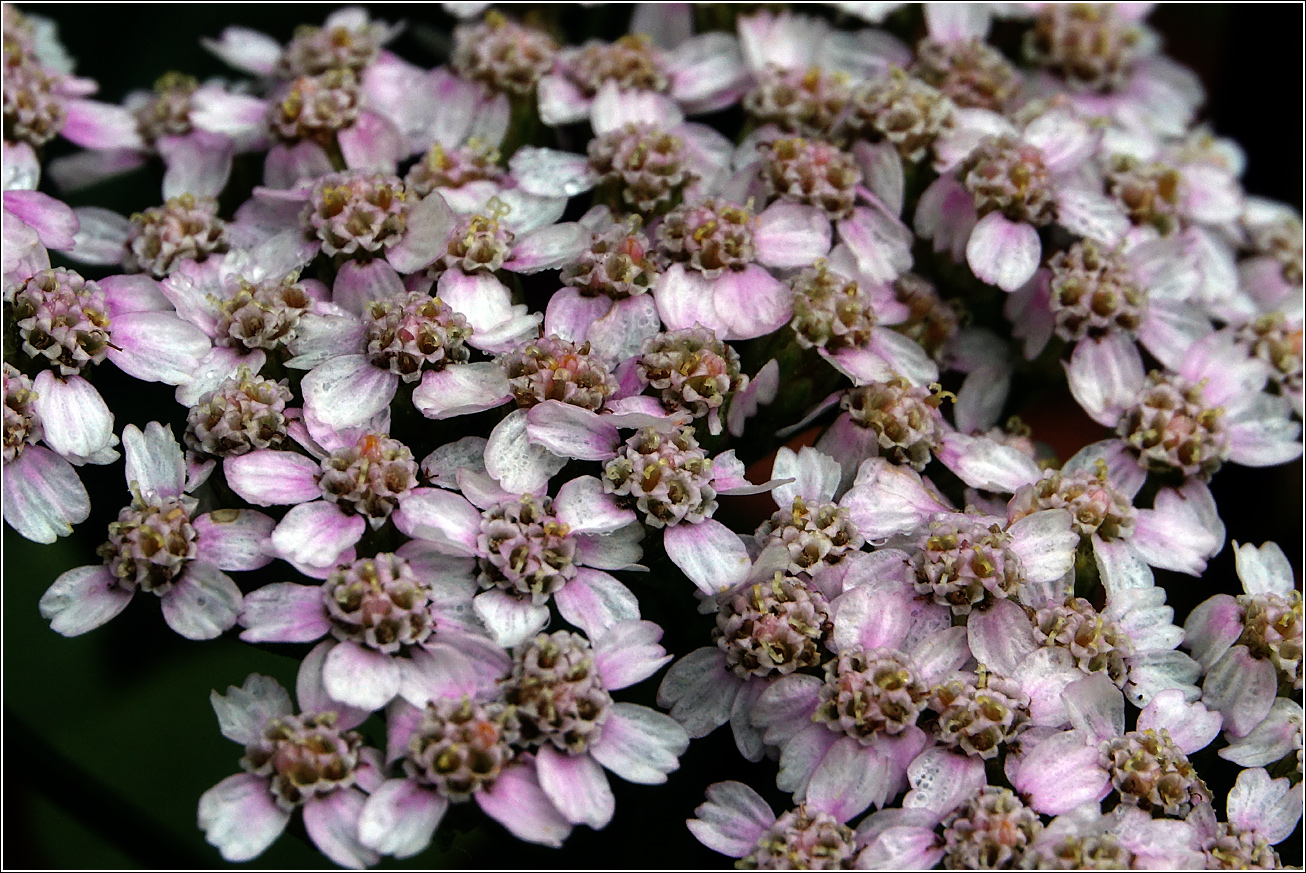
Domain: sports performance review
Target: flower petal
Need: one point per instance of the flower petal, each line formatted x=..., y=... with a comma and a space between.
x=577, y=786
x=239, y=816
x=82, y=599
x=203, y=603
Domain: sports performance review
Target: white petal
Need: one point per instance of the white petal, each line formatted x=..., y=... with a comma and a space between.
x=82, y=599
x=266, y=477
x=154, y=459
x=577, y=786
x=519, y=465
x=239, y=816
x=709, y=553
x=400, y=817
x=242, y=712
x=640, y=744
x=43, y=497
x=203, y=603
x=346, y=391
x=76, y=420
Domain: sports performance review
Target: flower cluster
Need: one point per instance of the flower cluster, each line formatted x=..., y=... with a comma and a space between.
x=480, y=364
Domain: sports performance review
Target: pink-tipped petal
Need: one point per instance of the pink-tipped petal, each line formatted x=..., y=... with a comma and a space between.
x=347, y=391
x=517, y=802
x=461, y=389
x=360, y=676
x=628, y=653
x=1003, y=252
x=400, y=817
x=594, y=601
x=240, y=817
x=266, y=477
x=284, y=612
x=154, y=459
x=316, y=534
x=709, y=553
x=518, y=463
x=791, y=235
x=332, y=824
x=82, y=599
x=244, y=712
x=640, y=744
x=429, y=224
x=157, y=347
x=509, y=619
x=76, y=420
x=233, y=539
x=203, y=604
x=732, y=820
x=577, y=786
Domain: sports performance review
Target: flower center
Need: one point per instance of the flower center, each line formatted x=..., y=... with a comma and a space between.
x=972, y=73
x=503, y=54
x=616, y=265
x=245, y=412
x=1096, y=643
x=830, y=311
x=773, y=629
x=369, y=477
x=303, y=756
x=64, y=319
x=1278, y=342
x=867, y=692
x=526, y=549
x=693, y=369
x=631, y=62
x=168, y=112
x=263, y=315
x=646, y=165
x=814, y=535
x=965, y=562
x=981, y=716
x=22, y=425
x=379, y=602
x=1094, y=293
x=900, y=109
x=1089, y=45
x=357, y=213
x=904, y=417
x=1149, y=193
x=802, y=840
x=1006, y=175
x=316, y=107
x=413, y=330
x=316, y=50
x=555, y=694
x=991, y=831
x=710, y=237
x=34, y=111
x=1272, y=628
x=1095, y=506
x=473, y=161
x=481, y=243
x=805, y=102
x=186, y=228
x=1151, y=772
x=459, y=748
x=813, y=172
x=1172, y=428
x=151, y=543
x=555, y=369
x=667, y=474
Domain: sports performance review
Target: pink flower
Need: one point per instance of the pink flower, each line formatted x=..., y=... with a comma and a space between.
x=1009, y=183
x=336, y=495
x=158, y=545
x=530, y=549
x=397, y=620
x=737, y=822
x=465, y=726
x=43, y=495
x=561, y=706
x=312, y=761
x=718, y=252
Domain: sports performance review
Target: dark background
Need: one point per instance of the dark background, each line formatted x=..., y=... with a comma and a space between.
x=110, y=739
